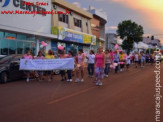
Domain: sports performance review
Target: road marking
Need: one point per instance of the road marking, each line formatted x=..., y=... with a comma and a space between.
x=71, y=95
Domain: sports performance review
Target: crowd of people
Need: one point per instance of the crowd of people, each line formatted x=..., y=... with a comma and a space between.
x=98, y=65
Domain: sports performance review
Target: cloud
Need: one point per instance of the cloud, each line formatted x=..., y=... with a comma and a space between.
x=152, y=10
x=108, y=28
x=77, y=4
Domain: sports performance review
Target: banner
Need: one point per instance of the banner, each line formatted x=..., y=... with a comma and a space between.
x=47, y=64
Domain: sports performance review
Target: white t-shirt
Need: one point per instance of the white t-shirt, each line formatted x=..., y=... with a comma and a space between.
x=91, y=59
x=136, y=57
x=128, y=60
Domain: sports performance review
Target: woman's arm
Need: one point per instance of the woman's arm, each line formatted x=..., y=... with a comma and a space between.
x=104, y=60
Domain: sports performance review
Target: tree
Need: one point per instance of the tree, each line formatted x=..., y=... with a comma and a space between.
x=131, y=31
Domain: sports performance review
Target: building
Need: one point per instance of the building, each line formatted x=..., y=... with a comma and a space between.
x=73, y=30
x=20, y=32
x=110, y=41
x=153, y=43
x=98, y=23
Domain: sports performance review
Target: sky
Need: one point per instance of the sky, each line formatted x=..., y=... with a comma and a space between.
x=148, y=13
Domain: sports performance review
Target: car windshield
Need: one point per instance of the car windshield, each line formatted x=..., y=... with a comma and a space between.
x=5, y=59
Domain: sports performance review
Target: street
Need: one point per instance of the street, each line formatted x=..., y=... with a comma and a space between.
x=124, y=97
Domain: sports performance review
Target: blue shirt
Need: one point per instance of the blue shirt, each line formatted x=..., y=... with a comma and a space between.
x=116, y=57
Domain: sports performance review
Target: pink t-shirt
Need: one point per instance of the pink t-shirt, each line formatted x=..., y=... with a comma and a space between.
x=99, y=60
x=42, y=57
x=80, y=58
x=28, y=56
x=62, y=56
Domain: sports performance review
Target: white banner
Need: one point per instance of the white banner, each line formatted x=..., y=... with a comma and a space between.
x=47, y=64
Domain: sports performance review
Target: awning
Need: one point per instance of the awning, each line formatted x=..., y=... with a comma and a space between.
x=141, y=45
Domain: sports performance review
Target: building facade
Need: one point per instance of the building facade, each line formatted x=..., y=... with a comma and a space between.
x=153, y=43
x=98, y=23
x=111, y=41
x=74, y=29
x=20, y=32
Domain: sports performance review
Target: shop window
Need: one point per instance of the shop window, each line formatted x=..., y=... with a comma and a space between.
x=26, y=46
x=4, y=47
x=63, y=18
x=54, y=46
x=30, y=38
x=77, y=22
x=12, y=46
x=1, y=34
x=8, y=35
x=20, y=49
x=33, y=48
x=0, y=46
x=21, y=37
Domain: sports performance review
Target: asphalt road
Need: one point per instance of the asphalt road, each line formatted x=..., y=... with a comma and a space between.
x=124, y=97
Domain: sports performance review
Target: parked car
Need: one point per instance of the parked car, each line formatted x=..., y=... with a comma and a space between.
x=9, y=68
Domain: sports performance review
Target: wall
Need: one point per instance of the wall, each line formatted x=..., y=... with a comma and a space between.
x=70, y=25
x=37, y=23
x=95, y=31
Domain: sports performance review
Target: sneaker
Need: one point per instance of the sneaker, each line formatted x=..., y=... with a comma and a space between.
x=27, y=80
x=77, y=80
x=70, y=80
x=97, y=83
x=107, y=76
x=100, y=83
x=82, y=80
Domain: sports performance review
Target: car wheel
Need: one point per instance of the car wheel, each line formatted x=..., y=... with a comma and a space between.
x=57, y=72
x=3, y=77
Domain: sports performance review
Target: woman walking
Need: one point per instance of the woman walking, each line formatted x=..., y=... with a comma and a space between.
x=142, y=59
x=91, y=61
x=69, y=72
x=136, y=59
x=49, y=55
x=128, y=60
x=28, y=55
x=116, y=61
x=79, y=61
x=61, y=54
x=122, y=61
x=40, y=73
x=108, y=59
x=100, y=65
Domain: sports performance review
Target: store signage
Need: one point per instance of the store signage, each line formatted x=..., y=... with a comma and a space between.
x=70, y=35
x=87, y=39
x=8, y=37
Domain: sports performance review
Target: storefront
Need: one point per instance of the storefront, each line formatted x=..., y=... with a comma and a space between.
x=20, y=32
x=12, y=43
x=71, y=40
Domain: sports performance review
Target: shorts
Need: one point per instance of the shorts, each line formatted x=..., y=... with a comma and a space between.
x=137, y=62
x=142, y=60
x=99, y=72
x=79, y=67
